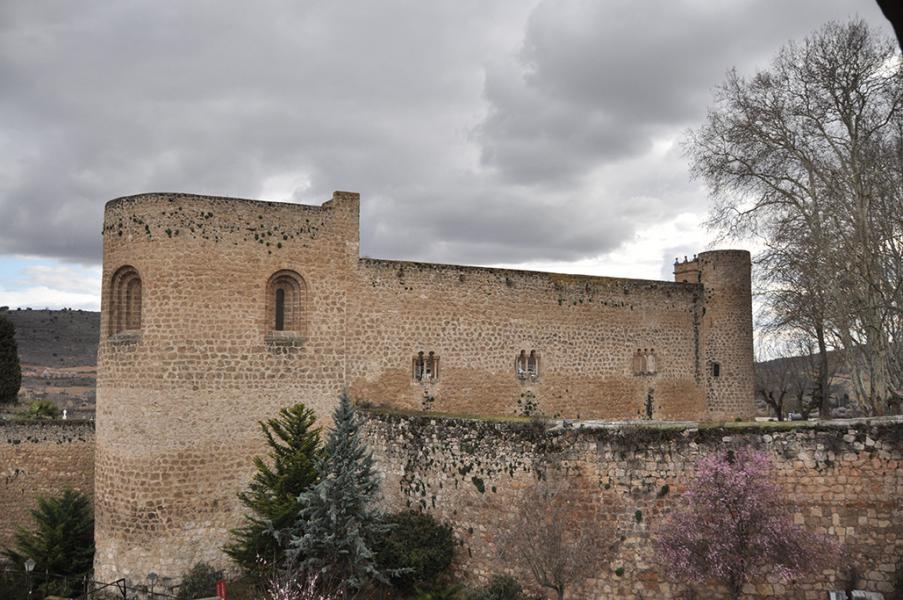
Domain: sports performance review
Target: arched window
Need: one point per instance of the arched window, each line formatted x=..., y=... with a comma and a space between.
x=716, y=369
x=286, y=303
x=418, y=367
x=520, y=365
x=125, y=300
x=533, y=364
x=526, y=366
x=425, y=367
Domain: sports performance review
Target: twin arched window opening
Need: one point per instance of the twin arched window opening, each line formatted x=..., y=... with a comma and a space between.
x=286, y=303
x=425, y=367
x=644, y=362
x=526, y=366
x=125, y=300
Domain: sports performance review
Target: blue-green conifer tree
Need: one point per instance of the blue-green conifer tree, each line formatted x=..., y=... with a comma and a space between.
x=338, y=525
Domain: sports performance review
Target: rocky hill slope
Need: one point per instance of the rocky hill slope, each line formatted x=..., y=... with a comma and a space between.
x=58, y=352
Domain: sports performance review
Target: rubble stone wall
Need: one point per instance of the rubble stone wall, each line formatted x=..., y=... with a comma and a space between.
x=41, y=458
x=843, y=479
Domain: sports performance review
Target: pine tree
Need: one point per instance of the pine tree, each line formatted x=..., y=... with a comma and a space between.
x=339, y=524
x=61, y=542
x=260, y=543
x=10, y=370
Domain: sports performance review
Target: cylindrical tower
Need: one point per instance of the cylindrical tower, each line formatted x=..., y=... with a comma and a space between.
x=215, y=313
x=726, y=333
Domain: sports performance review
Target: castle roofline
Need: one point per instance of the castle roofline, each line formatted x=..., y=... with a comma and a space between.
x=176, y=196
x=552, y=276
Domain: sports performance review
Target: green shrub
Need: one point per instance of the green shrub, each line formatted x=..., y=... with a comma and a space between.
x=451, y=592
x=417, y=547
x=199, y=582
x=43, y=409
x=60, y=542
x=500, y=587
x=12, y=585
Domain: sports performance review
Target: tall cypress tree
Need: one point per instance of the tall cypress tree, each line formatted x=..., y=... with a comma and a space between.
x=259, y=545
x=10, y=370
x=339, y=523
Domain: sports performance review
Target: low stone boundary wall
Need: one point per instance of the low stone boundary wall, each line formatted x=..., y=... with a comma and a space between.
x=41, y=458
x=842, y=478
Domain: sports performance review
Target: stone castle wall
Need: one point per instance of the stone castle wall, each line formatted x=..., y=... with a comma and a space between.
x=840, y=478
x=178, y=400
x=726, y=331
x=41, y=459
x=189, y=358
x=585, y=330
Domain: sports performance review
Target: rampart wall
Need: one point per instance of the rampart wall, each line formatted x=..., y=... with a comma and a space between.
x=840, y=478
x=41, y=459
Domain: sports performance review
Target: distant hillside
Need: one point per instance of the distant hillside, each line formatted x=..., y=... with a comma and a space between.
x=58, y=352
x=56, y=338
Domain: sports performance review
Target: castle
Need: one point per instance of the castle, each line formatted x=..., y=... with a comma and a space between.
x=216, y=312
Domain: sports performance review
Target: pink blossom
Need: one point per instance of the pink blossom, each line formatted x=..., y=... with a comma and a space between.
x=732, y=526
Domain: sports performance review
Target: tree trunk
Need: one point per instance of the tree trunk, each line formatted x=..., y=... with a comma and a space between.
x=823, y=383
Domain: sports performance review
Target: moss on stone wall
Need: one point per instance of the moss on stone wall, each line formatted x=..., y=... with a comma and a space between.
x=842, y=478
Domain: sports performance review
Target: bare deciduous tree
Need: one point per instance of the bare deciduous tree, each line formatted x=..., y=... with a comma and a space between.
x=807, y=157
x=773, y=378
x=555, y=538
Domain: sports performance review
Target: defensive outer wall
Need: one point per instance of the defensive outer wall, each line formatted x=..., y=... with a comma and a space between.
x=840, y=478
x=217, y=312
x=41, y=459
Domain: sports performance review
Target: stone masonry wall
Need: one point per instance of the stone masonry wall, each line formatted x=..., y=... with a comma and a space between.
x=41, y=459
x=585, y=330
x=727, y=333
x=178, y=401
x=843, y=479
x=190, y=357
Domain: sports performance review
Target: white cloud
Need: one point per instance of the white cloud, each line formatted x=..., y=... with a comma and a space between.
x=41, y=283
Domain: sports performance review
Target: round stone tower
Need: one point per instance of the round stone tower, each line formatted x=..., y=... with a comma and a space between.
x=215, y=313
x=726, y=333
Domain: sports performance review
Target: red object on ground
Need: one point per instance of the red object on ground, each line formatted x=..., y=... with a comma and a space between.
x=221, y=589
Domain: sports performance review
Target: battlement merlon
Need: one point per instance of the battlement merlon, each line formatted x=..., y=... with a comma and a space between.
x=687, y=271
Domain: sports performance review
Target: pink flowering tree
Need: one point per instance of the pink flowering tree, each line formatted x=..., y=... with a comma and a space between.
x=732, y=526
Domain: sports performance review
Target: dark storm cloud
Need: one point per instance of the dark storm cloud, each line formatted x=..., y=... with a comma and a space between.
x=476, y=132
x=595, y=81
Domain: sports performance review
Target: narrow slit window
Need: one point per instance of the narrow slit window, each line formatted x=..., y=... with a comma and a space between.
x=419, y=365
x=716, y=369
x=533, y=365
x=520, y=365
x=280, y=309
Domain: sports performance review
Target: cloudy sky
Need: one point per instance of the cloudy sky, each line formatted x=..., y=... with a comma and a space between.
x=536, y=134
